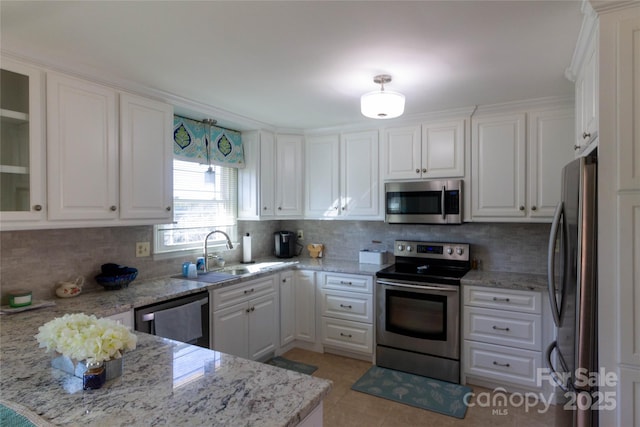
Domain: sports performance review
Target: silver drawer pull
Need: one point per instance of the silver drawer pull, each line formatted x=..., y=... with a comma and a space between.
x=345, y=306
x=350, y=336
x=505, y=365
x=342, y=282
x=248, y=291
x=497, y=328
x=501, y=299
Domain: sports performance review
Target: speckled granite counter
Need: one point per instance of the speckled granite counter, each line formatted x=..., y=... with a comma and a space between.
x=222, y=389
x=507, y=280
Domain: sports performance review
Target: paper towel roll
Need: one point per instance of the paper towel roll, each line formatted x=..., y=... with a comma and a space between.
x=246, y=248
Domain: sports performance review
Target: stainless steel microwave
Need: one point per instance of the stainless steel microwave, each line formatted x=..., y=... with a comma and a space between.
x=423, y=202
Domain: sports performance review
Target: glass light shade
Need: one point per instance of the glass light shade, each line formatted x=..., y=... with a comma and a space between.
x=382, y=104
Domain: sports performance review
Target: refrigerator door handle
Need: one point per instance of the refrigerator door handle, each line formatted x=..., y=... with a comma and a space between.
x=557, y=378
x=551, y=262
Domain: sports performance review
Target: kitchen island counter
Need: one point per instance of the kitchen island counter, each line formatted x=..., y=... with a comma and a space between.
x=164, y=382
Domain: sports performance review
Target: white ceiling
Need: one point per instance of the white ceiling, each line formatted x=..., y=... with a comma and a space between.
x=304, y=64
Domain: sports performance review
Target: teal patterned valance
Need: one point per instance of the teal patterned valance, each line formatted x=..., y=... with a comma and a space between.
x=191, y=143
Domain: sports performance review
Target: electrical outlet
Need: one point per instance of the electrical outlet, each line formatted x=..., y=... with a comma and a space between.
x=300, y=235
x=143, y=249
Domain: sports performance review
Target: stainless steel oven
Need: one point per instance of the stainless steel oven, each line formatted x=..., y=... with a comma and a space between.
x=418, y=309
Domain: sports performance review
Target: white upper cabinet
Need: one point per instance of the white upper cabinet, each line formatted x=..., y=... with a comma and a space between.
x=99, y=171
x=550, y=133
x=498, y=152
x=288, y=167
x=322, y=176
x=270, y=185
x=359, y=184
x=516, y=175
x=430, y=150
x=342, y=176
x=146, y=158
x=22, y=146
x=82, y=150
x=586, y=100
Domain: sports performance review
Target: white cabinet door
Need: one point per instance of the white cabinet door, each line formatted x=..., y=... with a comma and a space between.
x=551, y=133
x=146, y=159
x=402, y=153
x=230, y=330
x=360, y=171
x=263, y=326
x=287, y=307
x=498, y=166
x=22, y=145
x=305, y=306
x=443, y=149
x=322, y=176
x=267, y=174
x=288, y=168
x=249, y=206
x=82, y=149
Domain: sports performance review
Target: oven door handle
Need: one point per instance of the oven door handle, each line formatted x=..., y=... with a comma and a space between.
x=426, y=288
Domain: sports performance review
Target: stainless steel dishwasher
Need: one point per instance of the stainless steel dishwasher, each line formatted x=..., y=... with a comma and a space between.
x=146, y=317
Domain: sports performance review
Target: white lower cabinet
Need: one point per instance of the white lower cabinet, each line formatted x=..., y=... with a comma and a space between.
x=297, y=307
x=245, y=318
x=347, y=312
x=503, y=336
x=305, y=305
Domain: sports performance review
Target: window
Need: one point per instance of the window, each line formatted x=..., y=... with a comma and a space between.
x=203, y=200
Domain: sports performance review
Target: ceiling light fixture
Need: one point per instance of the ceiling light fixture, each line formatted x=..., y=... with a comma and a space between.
x=382, y=104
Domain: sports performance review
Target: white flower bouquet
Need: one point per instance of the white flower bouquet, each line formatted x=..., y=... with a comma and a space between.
x=86, y=338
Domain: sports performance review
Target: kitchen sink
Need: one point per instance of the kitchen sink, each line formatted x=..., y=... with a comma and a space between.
x=231, y=272
x=211, y=277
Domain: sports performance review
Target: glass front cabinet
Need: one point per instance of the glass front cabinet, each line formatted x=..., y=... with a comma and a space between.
x=22, y=150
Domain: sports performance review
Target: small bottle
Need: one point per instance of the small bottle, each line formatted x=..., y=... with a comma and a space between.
x=94, y=377
x=185, y=269
x=200, y=264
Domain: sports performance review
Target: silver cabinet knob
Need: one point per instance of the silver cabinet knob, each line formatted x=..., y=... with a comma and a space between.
x=113, y=208
x=265, y=208
x=37, y=208
x=424, y=170
x=168, y=208
x=279, y=208
x=586, y=135
x=417, y=170
x=344, y=208
x=521, y=208
x=576, y=147
x=533, y=208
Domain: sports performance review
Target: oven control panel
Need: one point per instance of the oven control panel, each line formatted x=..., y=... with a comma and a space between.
x=439, y=250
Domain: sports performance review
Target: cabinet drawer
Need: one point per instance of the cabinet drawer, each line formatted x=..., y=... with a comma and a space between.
x=504, y=299
x=348, y=306
x=242, y=292
x=521, y=330
x=352, y=336
x=498, y=363
x=348, y=282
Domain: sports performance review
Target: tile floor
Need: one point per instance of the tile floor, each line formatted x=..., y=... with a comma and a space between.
x=348, y=408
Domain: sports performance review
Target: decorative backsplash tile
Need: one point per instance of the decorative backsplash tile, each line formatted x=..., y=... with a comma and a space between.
x=37, y=260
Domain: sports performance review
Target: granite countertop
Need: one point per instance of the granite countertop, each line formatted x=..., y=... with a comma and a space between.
x=224, y=389
x=506, y=280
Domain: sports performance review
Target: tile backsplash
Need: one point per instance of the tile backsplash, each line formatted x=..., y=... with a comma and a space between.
x=37, y=260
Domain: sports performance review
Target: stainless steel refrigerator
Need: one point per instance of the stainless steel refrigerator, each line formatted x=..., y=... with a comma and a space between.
x=572, y=276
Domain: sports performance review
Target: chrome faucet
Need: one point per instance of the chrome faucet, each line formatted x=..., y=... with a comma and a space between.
x=206, y=252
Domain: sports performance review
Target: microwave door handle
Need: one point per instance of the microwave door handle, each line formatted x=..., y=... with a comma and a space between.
x=444, y=214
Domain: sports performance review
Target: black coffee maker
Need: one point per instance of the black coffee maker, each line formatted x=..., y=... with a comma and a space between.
x=285, y=244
